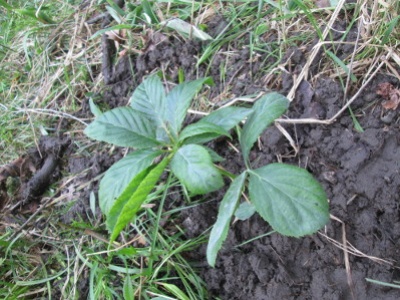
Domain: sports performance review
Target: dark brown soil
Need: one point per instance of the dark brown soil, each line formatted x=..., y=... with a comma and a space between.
x=359, y=171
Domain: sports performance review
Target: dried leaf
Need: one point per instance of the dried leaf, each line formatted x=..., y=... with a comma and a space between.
x=390, y=94
x=322, y=3
x=384, y=90
x=141, y=240
x=116, y=36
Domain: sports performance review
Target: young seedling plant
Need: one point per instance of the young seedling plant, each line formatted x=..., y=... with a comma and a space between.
x=286, y=196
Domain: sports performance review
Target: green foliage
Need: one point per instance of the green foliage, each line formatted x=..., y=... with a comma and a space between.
x=124, y=127
x=186, y=30
x=33, y=13
x=177, y=102
x=225, y=213
x=265, y=111
x=193, y=166
x=201, y=132
x=287, y=197
x=245, y=211
x=125, y=170
x=137, y=194
x=152, y=123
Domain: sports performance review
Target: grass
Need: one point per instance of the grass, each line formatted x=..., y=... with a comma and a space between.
x=49, y=70
x=77, y=259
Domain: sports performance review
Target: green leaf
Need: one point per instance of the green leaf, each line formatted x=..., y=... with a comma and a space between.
x=123, y=127
x=129, y=203
x=149, y=99
x=118, y=206
x=176, y=291
x=193, y=166
x=245, y=211
x=39, y=15
x=6, y=5
x=117, y=178
x=178, y=102
x=39, y=281
x=289, y=199
x=117, y=9
x=341, y=64
x=186, y=29
x=113, y=13
x=226, y=210
x=94, y=109
x=215, y=157
x=265, y=111
x=148, y=11
x=227, y=117
x=201, y=132
x=128, y=291
x=389, y=32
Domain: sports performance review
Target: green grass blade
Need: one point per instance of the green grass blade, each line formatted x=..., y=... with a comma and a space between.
x=177, y=292
x=34, y=14
x=341, y=64
x=6, y=5
x=40, y=281
x=357, y=125
x=388, y=32
x=396, y=286
x=148, y=10
x=128, y=292
x=115, y=27
x=187, y=30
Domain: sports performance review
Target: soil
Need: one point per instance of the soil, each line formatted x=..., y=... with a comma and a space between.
x=359, y=171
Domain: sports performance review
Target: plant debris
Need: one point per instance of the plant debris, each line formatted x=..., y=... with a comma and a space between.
x=390, y=94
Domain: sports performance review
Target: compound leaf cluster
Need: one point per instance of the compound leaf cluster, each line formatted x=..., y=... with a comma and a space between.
x=286, y=196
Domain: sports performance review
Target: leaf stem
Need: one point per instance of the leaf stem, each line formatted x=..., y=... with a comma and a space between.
x=225, y=172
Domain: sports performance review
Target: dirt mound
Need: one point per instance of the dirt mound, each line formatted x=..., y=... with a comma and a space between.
x=360, y=173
